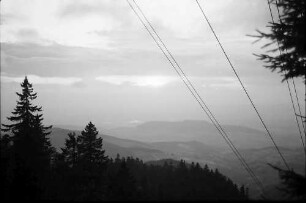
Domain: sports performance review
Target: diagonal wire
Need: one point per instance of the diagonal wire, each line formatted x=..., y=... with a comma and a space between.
x=296, y=95
x=208, y=112
x=189, y=82
x=252, y=103
x=298, y=102
x=196, y=98
x=289, y=89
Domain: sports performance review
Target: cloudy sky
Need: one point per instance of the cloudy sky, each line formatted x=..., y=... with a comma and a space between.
x=93, y=60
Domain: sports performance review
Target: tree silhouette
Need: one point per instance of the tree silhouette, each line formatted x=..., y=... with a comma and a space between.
x=294, y=184
x=31, y=149
x=90, y=146
x=289, y=35
x=31, y=169
x=91, y=163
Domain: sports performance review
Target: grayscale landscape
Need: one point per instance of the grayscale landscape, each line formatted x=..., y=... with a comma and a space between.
x=142, y=100
x=193, y=141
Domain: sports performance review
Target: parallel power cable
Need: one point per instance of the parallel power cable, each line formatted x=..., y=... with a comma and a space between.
x=252, y=103
x=296, y=95
x=213, y=120
x=297, y=98
x=298, y=102
x=289, y=89
x=200, y=98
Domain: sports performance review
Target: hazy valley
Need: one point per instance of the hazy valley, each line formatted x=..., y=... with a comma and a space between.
x=198, y=141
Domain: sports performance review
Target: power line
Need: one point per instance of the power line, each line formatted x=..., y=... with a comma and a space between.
x=195, y=94
x=187, y=85
x=289, y=89
x=200, y=98
x=296, y=95
x=298, y=102
x=252, y=103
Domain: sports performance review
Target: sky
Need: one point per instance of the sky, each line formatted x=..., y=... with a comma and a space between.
x=92, y=60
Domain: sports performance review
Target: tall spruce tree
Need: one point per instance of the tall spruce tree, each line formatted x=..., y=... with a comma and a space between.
x=30, y=146
x=91, y=163
x=90, y=146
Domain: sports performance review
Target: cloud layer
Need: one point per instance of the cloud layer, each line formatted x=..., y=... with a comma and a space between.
x=142, y=81
x=42, y=80
x=101, y=46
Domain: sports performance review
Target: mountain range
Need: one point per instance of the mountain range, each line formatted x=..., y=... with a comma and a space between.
x=202, y=131
x=198, y=141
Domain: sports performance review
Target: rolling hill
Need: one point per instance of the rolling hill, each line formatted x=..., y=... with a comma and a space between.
x=201, y=131
x=193, y=141
x=113, y=146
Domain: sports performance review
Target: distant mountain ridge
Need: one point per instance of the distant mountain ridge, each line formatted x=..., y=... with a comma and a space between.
x=206, y=151
x=113, y=146
x=201, y=131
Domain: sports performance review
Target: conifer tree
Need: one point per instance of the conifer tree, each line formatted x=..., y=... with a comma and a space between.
x=31, y=148
x=26, y=120
x=28, y=133
x=289, y=35
x=90, y=146
x=91, y=163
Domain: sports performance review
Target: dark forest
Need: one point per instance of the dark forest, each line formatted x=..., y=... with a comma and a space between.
x=31, y=169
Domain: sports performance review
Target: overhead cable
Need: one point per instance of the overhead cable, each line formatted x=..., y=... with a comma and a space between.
x=296, y=95
x=288, y=86
x=247, y=94
x=192, y=90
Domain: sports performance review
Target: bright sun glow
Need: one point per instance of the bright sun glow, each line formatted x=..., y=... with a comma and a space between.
x=153, y=81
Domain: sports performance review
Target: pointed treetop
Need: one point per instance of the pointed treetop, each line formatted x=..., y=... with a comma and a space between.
x=90, y=129
x=24, y=112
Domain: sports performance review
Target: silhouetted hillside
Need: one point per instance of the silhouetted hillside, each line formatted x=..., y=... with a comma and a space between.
x=162, y=162
x=128, y=178
x=177, y=180
x=193, y=151
x=114, y=146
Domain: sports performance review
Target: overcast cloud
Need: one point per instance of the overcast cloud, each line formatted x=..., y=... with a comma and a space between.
x=93, y=60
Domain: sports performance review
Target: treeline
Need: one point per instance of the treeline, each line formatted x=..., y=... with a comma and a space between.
x=31, y=168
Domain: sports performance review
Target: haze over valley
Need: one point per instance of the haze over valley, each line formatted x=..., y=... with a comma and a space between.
x=198, y=141
x=168, y=100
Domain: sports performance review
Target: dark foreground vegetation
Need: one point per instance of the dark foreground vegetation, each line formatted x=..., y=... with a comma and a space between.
x=31, y=169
